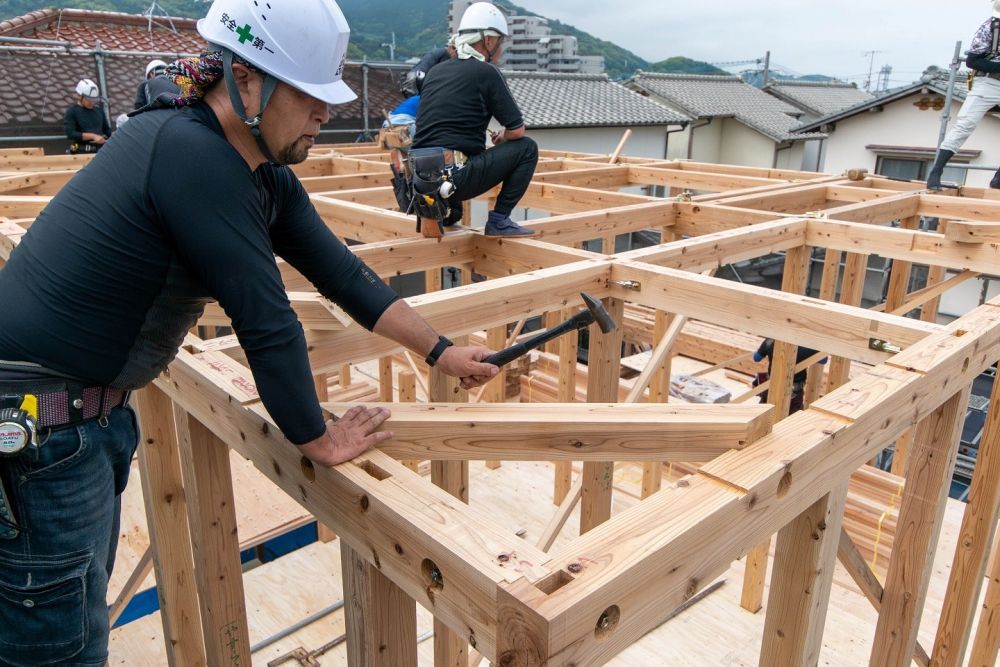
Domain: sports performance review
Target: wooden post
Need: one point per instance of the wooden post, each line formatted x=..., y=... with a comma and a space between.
x=381, y=619
x=385, y=380
x=169, y=533
x=805, y=557
x=986, y=646
x=793, y=280
x=604, y=366
x=973, y=548
x=827, y=292
x=322, y=387
x=208, y=483
x=345, y=376
x=659, y=392
x=496, y=390
x=935, y=447
x=899, y=282
x=407, y=382
x=450, y=648
x=567, y=349
x=851, y=291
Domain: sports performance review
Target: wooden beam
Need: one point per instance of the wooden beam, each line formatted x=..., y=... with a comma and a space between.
x=208, y=487
x=603, y=368
x=169, y=532
x=928, y=481
x=381, y=619
x=805, y=557
x=570, y=227
x=963, y=231
x=567, y=431
x=972, y=550
x=837, y=329
x=555, y=525
x=568, y=348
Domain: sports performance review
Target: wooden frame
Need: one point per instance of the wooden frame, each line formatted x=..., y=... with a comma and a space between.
x=405, y=539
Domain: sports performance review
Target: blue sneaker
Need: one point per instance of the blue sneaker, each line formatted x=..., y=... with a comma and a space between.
x=507, y=228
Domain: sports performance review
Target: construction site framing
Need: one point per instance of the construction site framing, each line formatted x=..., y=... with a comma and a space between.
x=408, y=541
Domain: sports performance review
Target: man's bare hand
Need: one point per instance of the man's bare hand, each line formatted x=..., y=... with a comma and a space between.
x=348, y=437
x=466, y=362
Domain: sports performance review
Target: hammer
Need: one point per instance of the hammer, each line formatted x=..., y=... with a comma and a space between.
x=595, y=312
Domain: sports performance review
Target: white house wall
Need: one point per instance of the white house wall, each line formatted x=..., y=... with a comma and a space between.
x=744, y=146
x=903, y=124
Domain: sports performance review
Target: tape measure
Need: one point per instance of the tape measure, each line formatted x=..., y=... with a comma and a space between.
x=18, y=427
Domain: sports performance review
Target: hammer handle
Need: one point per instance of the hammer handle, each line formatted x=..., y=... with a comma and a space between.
x=504, y=357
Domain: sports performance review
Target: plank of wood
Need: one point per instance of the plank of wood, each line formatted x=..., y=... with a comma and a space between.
x=169, y=532
x=561, y=515
x=805, y=555
x=932, y=462
x=604, y=363
x=381, y=619
x=208, y=488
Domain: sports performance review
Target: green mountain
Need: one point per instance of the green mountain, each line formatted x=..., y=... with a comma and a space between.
x=682, y=65
x=419, y=26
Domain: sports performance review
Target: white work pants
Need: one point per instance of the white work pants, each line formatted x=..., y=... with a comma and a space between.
x=985, y=94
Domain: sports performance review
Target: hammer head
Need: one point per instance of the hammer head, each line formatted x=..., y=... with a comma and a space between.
x=600, y=313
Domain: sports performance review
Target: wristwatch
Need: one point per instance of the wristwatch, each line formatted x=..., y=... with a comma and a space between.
x=435, y=354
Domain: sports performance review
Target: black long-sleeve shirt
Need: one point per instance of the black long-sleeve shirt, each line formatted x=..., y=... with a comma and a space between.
x=79, y=120
x=119, y=265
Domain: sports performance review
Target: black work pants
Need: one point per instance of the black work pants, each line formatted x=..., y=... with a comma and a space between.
x=511, y=163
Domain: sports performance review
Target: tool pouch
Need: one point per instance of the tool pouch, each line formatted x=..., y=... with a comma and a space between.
x=428, y=170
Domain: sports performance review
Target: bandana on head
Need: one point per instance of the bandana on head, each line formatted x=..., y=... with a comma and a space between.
x=193, y=76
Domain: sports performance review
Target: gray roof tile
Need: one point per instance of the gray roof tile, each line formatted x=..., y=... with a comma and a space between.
x=583, y=100
x=716, y=96
x=819, y=97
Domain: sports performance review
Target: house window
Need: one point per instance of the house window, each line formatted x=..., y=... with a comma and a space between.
x=914, y=169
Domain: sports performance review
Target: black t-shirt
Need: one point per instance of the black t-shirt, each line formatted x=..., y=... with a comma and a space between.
x=430, y=59
x=457, y=100
x=150, y=89
x=118, y=267
x=79, y=120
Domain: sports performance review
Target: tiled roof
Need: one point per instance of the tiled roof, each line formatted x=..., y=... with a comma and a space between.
x=719, y=96
x=818, y=98
x=934, y=80
x=116, y=31
x=550, y=100
x=36, y=87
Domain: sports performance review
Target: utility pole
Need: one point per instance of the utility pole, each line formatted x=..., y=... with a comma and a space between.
x=767, y=68
x=392, y=47
x=871, y=68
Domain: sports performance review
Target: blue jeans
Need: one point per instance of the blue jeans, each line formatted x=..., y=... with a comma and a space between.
x=54, y=575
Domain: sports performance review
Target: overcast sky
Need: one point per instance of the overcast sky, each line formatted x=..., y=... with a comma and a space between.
x=804, y=36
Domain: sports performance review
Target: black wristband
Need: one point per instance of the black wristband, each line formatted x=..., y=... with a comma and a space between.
x=435, y=354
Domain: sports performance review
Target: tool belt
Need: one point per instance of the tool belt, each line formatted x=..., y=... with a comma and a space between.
x=62, y=402
x=418, y=177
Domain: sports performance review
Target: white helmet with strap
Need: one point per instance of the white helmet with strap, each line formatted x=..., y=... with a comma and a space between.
x=996, y=9
x=87, y=88
x=300, y=42
x=154, y=65
x=483, y=17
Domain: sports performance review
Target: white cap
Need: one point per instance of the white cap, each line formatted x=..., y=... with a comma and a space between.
x=155, y=64
x=87, y=88
x=996, y=9
x=303, y=43
x=481, y=16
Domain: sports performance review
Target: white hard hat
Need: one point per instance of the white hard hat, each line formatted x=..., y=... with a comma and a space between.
x=482, y=16
x=87, y=88
x=155, y=64
x=302, y=43
x=996, y=9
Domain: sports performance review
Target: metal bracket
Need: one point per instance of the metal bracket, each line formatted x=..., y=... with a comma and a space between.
x=816, y=215
x=880, y=345
x=684, y=196
x=633, y=285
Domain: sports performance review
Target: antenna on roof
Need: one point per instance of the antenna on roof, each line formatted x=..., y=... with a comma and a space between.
x=154, y=9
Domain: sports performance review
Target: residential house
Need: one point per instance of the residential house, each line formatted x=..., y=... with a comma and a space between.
x=896, y=133
x=37, y=80
x=733, y=122
x=589, y=113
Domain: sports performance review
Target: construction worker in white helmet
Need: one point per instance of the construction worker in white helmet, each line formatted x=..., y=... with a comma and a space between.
x=189, y=202
x=457, y=101
x=85, y=122
x=154, y=84
x=983, y=58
